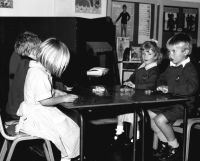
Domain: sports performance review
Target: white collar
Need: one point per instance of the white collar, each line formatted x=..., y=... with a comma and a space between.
x=183, y=63
x=148, y=66
x=37, y=64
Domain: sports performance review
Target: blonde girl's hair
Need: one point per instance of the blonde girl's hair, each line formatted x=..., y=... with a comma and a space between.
x=54, y=56
x=147, y=45
x=26, y=44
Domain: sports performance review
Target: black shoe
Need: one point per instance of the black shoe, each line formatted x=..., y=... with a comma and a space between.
x=172, y=154
x=121, y=140
x=162, y=149
x=78, y=158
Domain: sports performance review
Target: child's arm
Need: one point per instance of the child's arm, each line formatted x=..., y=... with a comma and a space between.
x=129, y=84
x=129, y=17
x=59, y=99
x=118, y=18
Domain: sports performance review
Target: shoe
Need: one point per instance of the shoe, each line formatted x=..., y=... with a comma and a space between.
x=78, y=158
x=162, y=149
x=172, y=154
x=121, y=139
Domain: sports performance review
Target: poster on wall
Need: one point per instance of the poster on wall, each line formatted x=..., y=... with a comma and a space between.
x=88, y=6
x=190, y=19
x=117, y=8
x=6, y=3
x=122, y=44
x=144, y=23
x=171, y=16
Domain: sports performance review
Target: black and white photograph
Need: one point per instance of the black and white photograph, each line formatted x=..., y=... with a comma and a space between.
x=99, y=80
x=88, y=6
x=6, y=3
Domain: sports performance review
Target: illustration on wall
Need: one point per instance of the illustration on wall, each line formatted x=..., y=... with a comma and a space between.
x=191, y=19
x=177, y=19
x=88, y=6
x=117, y=9
x=6, y=3
x=171, y=18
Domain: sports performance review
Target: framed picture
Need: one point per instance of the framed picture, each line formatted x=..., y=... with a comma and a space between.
x=88, y=6
x=117, y=8
x=190, y=19
x=171, y=19
x=122, y=44
x=6, y=3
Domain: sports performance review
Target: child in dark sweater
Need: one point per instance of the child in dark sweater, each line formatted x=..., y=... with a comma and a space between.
x=144, y=77
x=179, y=78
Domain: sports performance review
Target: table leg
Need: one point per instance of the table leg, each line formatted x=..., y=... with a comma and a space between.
x=143, y=132
x=134, y=134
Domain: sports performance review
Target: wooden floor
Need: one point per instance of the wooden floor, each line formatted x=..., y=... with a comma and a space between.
x=98, y=147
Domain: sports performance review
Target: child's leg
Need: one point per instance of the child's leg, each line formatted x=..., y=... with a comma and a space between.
x=167, y=130
x=155, y=128
x=125, y=28
x=120, y=128
x=122, y=30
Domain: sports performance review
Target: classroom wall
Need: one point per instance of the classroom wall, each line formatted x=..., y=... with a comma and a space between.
x=29, y=8
x=45, y=8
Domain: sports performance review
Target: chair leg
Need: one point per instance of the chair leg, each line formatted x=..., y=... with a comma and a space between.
x=3, y=150
x=190, y=124
x=50, y=151
x=11, y=150
x=46, y=152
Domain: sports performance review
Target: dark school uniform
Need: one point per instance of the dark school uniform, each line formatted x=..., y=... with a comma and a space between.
x=145, y=78
x=180, y=81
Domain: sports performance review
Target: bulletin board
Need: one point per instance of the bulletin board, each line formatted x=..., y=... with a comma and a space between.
x=142, y=23
x=180, y=19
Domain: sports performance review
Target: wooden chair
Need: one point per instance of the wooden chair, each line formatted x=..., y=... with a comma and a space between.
x=11, y=139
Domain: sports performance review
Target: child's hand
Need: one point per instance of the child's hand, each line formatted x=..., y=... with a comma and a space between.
x=58, y=93
x=68, y=88
x=163, y=89
x=70, y=97
x=129, y=84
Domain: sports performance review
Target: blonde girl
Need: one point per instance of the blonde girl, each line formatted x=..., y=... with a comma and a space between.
x=38, y=113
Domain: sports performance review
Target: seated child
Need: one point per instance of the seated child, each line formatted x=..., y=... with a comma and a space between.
x=24, y=51
x=180, y=78
x=38, y=113
x=144, y=77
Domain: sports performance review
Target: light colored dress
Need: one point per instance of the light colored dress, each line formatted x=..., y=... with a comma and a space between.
x=42, y=121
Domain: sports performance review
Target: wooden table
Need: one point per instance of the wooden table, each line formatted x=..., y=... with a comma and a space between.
x=117, y=102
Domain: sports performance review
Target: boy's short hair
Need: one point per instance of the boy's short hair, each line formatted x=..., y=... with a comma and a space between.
x=124, y=6
x=181, y=38
x=54, y=56
x=147, y=45
x=25, y=43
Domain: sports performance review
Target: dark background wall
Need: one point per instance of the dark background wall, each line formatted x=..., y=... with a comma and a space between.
x=74, y=32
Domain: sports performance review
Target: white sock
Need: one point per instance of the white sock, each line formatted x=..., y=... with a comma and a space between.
x=65, y=159
x=174, y=143
x=119, y=129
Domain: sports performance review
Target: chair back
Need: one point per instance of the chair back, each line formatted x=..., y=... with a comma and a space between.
x=3, y=130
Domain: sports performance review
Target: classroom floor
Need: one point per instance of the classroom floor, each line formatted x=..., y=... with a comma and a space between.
x=98, y=147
